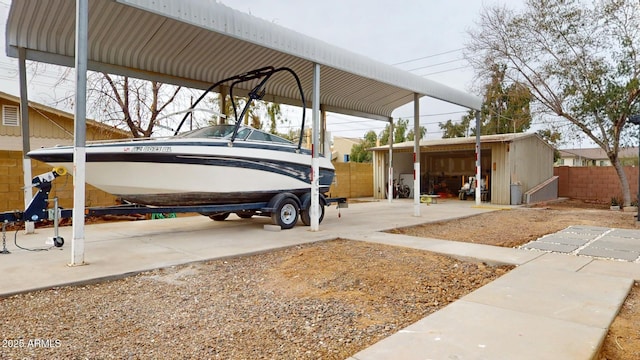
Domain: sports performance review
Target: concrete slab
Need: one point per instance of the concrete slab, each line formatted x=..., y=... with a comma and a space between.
x=609, y=253
x=587, y=299
x=566, y=239
x=558, y=261
x=629, y=233
x=467, y=330
x=621, y=269
x=585, y=229
x=476, y=252
x=547, y=246
x=617, y=243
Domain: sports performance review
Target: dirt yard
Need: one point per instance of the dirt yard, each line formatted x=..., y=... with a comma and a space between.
x=327, y=300
x=510, y=228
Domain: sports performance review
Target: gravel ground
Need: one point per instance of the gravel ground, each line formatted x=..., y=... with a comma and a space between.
x=320, y=301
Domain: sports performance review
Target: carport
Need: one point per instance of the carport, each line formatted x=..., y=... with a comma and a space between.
x=194, y=43
x=513, y=164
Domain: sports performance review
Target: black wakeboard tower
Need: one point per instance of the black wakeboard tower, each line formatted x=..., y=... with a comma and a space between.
x=257, y=93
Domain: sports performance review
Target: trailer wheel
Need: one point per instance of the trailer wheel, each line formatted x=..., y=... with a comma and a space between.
x=219, y=217
x=58, y=241
x=285, y=213
x=305, y=212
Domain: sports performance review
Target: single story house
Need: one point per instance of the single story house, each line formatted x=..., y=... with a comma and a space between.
x=592, y=156
x=48, y=127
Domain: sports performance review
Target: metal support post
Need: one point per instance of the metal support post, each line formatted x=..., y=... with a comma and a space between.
x=390, y=181
x=416, y=155
x=315, y=161
x=80, y=119
x=478, y=191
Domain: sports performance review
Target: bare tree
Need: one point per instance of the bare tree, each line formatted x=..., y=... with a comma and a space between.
x=131, y=103
x=579, y=60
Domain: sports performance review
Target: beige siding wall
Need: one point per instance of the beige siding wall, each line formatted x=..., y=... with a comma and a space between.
x=46, y=129
x=500, y=174
x=379, y=173
x=532, y=162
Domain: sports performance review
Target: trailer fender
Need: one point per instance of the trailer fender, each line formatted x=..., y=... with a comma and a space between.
x=305, y=214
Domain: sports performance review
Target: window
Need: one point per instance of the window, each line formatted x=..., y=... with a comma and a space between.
x=10, y=115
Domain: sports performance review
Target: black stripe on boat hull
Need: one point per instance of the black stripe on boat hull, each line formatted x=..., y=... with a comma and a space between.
x=199, y=198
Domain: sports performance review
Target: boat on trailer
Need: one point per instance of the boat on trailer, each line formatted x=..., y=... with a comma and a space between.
x=214, y=165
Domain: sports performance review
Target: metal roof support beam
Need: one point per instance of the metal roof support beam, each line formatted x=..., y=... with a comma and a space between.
x=315, y=162
x=80, y=138
x=478, y=190
x=29, y=226
x=416, y=154
x=323, y=133
x=390, y=178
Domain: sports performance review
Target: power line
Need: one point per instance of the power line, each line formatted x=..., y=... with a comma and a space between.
x=428, y=57
x=438, y=64
x=444, y=71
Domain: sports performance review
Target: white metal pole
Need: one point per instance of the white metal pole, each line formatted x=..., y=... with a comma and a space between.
x=416, y=155
x=79, y=151
x=29, y=226
x=478, y=162
x=315, y=164
x=390, y=181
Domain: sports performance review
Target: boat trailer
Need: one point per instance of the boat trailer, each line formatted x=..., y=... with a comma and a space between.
x=283, y=208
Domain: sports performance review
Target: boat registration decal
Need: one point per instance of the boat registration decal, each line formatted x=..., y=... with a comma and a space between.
x=163, y=149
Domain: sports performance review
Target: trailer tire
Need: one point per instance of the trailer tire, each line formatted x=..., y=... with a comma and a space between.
x=219, y=216
x=285, y=213
x=247, y=214
x=305, y=210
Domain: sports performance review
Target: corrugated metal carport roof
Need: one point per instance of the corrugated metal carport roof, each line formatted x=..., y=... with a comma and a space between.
x=484, y=139
x=197, y=42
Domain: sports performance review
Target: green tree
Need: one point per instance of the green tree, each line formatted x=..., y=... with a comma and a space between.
x=461, y=129
x=580, y=60
x=505, y=108
x=423, y=132
x=360, y=152
x=401, y=132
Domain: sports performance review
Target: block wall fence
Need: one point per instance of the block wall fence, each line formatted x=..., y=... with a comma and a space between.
x=594, y=183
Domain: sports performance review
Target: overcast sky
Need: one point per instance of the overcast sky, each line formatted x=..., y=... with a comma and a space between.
x=426, y=37
x=433, y=33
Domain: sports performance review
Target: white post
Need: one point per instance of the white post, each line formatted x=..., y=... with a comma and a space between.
x=390, y=181
x=478, y=190
x=315, y=161
x=79, y=151
x=29, y=226
x=416, y=155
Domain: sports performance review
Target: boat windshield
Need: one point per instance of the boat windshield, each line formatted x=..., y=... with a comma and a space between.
x=226, y=131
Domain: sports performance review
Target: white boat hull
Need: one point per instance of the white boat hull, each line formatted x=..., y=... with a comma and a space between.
x=193, y=172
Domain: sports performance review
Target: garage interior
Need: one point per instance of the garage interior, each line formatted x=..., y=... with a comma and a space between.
x=512, y=164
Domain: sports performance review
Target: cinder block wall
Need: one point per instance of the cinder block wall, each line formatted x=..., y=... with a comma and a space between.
x=11, y=194
x=353, y=180
x=594, y=183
